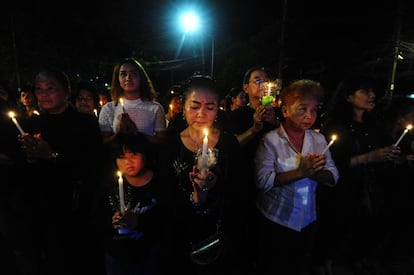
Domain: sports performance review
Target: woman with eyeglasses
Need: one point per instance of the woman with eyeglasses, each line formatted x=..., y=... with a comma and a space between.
x=86, y=98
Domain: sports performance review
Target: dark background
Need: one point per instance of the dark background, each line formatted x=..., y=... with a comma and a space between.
x=323, y=40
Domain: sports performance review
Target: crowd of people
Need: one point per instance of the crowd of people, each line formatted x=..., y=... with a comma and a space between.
x=128, y=183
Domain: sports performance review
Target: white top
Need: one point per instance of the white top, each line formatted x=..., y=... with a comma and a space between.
x=292, y=205
x=148, y=116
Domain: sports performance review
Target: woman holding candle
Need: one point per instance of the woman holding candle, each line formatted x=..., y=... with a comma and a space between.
x=140, y=111
x=395, y=119
x=201, y=201
x=132, y=216
x=289, y=166
x=353, y=209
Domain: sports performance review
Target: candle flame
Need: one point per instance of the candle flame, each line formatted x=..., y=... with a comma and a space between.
x=11, y=114
x=121, y=100
x=333, y=137
x=409, y=127
x=119, y=173
x=205, y=132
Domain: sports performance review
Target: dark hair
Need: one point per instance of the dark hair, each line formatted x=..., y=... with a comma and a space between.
x=84, y=85
x=234, y=92
x=134, y=142
x=200, y=82
x=59, y=75
x=252, y=69
x=338, y=106
x=146, y=86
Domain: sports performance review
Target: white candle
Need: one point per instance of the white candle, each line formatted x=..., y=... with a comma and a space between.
x=121, y=100
x=403, y=134
x=329, y=144
x=204, y=156
x=121, y=192
x=11, y=115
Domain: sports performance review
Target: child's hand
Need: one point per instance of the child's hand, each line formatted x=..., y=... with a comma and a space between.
x=128, y=220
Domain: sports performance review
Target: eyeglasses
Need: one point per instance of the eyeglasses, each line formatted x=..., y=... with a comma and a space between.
x=258, y=81
x=86, y=98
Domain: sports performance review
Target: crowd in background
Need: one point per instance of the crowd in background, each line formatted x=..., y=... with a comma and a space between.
x=286, y=197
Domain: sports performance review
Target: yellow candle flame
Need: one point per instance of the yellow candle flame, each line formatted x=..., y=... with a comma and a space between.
x=333, y=137
x=11, y=114
x=205, y=132
x=409, y=127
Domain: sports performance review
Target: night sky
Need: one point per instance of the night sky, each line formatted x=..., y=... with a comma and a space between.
x=87, y=38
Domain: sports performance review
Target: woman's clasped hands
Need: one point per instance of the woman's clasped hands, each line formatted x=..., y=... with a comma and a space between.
x=312, y=164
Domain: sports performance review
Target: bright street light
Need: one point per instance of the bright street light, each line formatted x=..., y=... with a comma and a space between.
x=190, y=23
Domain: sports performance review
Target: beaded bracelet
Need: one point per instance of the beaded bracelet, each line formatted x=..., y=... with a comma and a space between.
x=192, y=200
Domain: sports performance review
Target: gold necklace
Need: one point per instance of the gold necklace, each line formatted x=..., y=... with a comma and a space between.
x=196, y=144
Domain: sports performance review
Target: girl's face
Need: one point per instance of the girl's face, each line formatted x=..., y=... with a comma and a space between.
x=27, y=98
x=301, y=114
x=129, y=78
x=131, y=164
x=200, y=109
x=362, y=99
x=50, y=93
x=240, y=100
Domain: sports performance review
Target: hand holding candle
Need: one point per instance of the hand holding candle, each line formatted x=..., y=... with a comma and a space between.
x=121, y=192
x=403, y=134
x=333, y=138
x=11, y=115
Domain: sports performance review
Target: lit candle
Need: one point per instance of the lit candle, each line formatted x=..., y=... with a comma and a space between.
x=121, y=100
x=11, y=115
x=329, y=144
x=204, y=156
x=268, y=97
x=95, y=112
x=121, y=192
x=100, y=103
x=403, y=134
